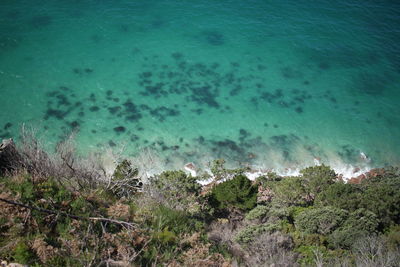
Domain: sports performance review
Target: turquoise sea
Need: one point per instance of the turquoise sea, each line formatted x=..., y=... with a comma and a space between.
x=272, y=84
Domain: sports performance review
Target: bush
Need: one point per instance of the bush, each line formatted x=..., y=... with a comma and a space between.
x=23, y=254
x=249, y=233
x=175, y=189
x=220, y=172
x=358, y=224
x=340, y=195
x=316, y=179
x=320, y=220
x=382, y=197
x=259, y=212
x=290, y=191
x=125, y=181
x=176, y=221
x=235, y=193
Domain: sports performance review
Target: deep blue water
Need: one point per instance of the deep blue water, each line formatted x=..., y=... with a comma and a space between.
x=266, y=83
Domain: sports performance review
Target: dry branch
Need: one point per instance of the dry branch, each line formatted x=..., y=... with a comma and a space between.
x=62, y=213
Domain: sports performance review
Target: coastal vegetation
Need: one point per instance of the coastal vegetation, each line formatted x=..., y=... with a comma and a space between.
x=57, y=209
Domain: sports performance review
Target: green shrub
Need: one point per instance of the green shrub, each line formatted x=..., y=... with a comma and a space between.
x=235, y=193
x=220, y=172
x=125, y=181
x=176, y=221
x=340, y=195
x=290, y=191
x=177, y=190
x=320, y=220
x=358, y=224
x=23, y=254
x=249, y=233
x=383, y=199
x=258, y=212
x=363, y=220
x=318, y=178
x=393, y=237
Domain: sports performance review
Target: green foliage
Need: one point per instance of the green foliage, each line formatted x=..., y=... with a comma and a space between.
x=125, y=180
x=23, y=254
x=316, y=211
x=278, y=212
x=308, y=252
x=177, y=190
x=340, y=195
x=301, y=191
x=165, y=236
x=359, y=223
x=235, y=193
x=124, y=170
x=26, y=188
x=382, y=197
x=259, y=212
x=290, y=191
x=317, y=178
x=363, y=220
x=393, y=237
x=176, y=221
x=249, y=233
x=268, y=178
x=320, y=220
x=220, y=172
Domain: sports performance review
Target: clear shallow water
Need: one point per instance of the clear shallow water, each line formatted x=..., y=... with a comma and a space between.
x=265, y=83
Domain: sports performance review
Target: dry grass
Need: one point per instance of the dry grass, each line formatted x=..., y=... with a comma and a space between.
x=64, y=164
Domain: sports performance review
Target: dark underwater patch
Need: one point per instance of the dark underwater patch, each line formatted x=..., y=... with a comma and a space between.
x=271, y=97
x=213, y=37
x=161, y=113
x=40, y=21
x=177, y=56
x=114, y=110
x=324, y=65
x=74, y=124
x=290, y=73
x=134, y=138
x=8, y=43
x=348, y=153
x=156, y=90
x=371, y=83
x=111, y=143
x=229, y=144
x=7, y=125
x=158, y=23
x=235, y=91
x=204, y=95
x=94, y=108
x=131, y=111
x=119, y=129
x=299, y=110
x=55, y=113
x=284, y=143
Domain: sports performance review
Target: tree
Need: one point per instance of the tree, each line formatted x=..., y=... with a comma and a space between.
x=290, y=191
x=320, y=220
x=317, y=178
x=235, y=193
